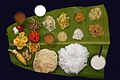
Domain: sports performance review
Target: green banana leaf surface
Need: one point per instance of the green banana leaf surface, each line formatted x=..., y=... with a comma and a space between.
x=92, y=44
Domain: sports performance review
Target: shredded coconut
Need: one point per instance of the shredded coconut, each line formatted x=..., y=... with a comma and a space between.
x=78, y=34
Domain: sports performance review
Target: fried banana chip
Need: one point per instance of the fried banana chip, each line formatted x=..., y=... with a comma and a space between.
x=22, y=34
x=24, y=39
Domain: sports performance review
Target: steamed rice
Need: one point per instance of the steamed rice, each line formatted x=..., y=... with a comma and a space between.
x=73, y=58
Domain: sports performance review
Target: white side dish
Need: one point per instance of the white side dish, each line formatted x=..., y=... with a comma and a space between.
x=40, y=10
x=73, y=58
x=78, y=34
x=97, y=62
x=15, y=30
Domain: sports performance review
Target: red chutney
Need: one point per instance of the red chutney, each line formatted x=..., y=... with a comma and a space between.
x=34, y=36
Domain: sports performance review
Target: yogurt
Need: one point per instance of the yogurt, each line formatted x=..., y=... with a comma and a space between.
x=97, y=62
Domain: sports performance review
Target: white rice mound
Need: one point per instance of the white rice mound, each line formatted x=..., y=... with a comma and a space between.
x=73, y=58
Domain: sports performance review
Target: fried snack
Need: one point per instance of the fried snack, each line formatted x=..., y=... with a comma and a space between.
x=63, y=20
x=62, y=36
x=21, y=45
x=20, y=17
x=24, y=39
x=49, y=38
x=79, y=17
x=26, y=55
x=45, y=61
x=21, y=34
x=33, y=47
x=16, y=41
x=96, y=30
x=20, y=41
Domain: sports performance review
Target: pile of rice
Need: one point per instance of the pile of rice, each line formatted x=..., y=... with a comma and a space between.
x=73, y=58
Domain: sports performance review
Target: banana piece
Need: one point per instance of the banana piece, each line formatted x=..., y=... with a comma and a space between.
x=18, y=56
x=21, y=59
x=33, y=47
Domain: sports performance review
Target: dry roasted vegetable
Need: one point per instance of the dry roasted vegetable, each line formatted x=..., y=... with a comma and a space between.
x=26, y=55
x=34, y=36
x=20, y=40
x=63, y=20
x=34, y=25
x=79, y=17
x=33, y=47
x=96, y=30
x=18, y=56
x=20, y=17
